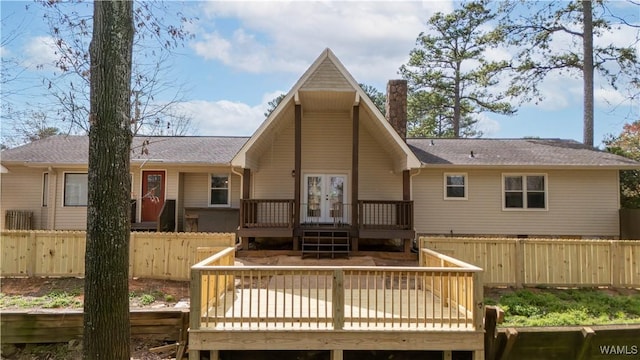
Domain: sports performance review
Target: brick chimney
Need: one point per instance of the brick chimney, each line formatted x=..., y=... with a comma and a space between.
x=396, y=106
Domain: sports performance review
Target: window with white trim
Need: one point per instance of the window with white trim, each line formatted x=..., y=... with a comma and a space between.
x=525, y=191
x=219, y=190
x=455, y=186
x=45, y=189
x=75, y=189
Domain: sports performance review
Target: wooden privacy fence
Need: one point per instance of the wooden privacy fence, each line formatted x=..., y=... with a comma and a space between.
x=166, y=256
x=546, y=262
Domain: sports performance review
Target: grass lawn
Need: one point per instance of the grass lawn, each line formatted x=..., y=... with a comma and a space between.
x=558, y=307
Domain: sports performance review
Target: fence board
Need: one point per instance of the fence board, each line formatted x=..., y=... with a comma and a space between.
x=546, y=262
x=496, y=256
x=61, y=253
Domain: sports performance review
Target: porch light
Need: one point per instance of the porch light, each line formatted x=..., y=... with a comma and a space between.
x=293, y=173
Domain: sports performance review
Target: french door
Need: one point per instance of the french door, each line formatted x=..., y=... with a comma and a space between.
x=325, y=198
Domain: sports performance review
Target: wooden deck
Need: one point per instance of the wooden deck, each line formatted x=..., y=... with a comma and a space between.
x=312, y=309
x=437, y=306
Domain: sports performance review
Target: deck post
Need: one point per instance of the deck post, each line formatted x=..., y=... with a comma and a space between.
x=297, y=173
x=478, y=301
x=337, y=299
x=336, y=354
x=195, y=289
x=355, y=159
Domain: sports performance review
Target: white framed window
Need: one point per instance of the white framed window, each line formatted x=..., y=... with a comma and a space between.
x=219, y=194
x=75, y=189
x=524, y=191
x=45, y=189
x=455, y=186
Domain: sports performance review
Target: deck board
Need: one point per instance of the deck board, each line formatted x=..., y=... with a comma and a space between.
x=310, y=307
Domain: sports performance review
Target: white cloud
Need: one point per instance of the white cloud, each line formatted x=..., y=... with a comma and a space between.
x=372, y=38
x=608, y=97
x=40, y=52
x=4, y=52
x=223, y=117
x=488, y=126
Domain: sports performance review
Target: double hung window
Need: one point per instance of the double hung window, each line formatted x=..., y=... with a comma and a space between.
x=219, y=190
x=75, y=189
x=525, y=191
x=455, y=186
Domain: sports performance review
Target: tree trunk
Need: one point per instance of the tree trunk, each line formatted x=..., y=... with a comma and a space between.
x=587, y=44
x=106, y=302
x=457, y=113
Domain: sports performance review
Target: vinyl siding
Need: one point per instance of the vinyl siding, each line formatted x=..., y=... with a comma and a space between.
x=327, y=76
x=579, y=203
x=326, y=142
x=326, y=148
x=196, y=188
x=377, y=181
x=273, y=179
x=21, y=189
x=68, y=217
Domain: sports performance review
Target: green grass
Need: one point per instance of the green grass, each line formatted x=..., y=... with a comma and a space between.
x=53, y=300
x=554, y=307
x=148, y=298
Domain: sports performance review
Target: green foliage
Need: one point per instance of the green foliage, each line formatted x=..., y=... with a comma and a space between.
x=449, y=77
x=627, y=144
x=273, y=104
x=554, y=307
x=533, y=28
x=378, y=98
x=54, y=300
x=147, y=299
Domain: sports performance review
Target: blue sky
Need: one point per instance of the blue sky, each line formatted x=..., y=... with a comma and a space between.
x=246, y=53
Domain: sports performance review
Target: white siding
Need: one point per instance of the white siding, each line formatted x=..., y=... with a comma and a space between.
x=326, y=142
x=273, y=179
x=196, y=188
x=326, y=148
x=327, y=77
x=580, y=203
x=68, y=217
x=377, y=181
x=21, y=189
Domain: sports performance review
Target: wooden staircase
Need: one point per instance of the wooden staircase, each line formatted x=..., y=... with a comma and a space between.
x=325, y=242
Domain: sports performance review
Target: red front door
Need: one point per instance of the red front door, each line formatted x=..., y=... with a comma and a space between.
x=152, y=194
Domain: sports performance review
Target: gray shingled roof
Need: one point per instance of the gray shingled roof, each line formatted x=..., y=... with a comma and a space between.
x=62, y=149
x=513, y=152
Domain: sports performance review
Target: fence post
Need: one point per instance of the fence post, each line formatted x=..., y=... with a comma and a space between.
x=519, y=262
x=337, y=300
x=132, y=254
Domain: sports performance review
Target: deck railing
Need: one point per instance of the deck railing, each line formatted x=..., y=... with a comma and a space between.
x=377, y=214
x=372, y=214
x=446, y=295
x=265, y=213
x=339, y=214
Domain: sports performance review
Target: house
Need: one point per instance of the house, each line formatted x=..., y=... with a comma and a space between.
x=326, y=164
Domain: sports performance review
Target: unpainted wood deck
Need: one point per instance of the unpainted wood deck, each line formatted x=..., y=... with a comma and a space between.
x=286, y=303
